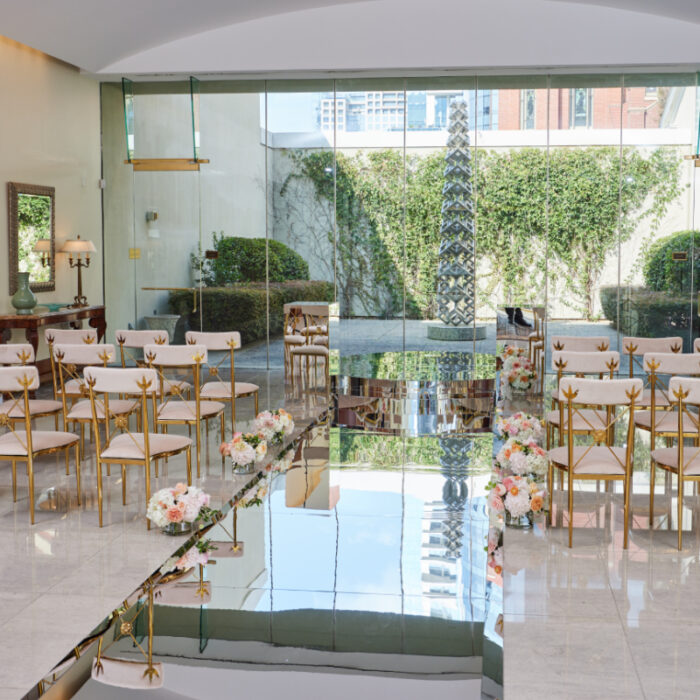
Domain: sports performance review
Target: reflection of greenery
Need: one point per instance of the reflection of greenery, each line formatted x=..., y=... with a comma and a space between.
x=578, y=219
x=419, y=366
x=664, y=274
x=34, y=223
x=353, y=448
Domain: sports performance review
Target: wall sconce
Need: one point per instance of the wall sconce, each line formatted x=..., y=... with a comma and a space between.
x=151, y=218
x=43, y=247
x=78, y=247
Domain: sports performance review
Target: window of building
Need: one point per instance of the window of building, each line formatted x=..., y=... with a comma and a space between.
x=527, y=109
x=580, y=107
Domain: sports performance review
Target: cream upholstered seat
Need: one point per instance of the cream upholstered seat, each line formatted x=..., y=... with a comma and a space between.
x=25, y=445
x=82, y=411
x=218, y=389
x=310, y=350
x=668, y=457
x=132, y=446
x=128, y=447
x=591, y=460
x=666, y=421
x=37, y=407
x=176, y=410
x=321, y=340
x=606, y=462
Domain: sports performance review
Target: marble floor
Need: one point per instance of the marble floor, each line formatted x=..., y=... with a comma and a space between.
x=596, y=620
x=62, y=575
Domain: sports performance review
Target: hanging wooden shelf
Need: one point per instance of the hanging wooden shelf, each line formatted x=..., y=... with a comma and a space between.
x=165, y=164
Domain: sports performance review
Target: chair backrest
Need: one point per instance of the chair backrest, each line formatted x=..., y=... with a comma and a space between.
x=684, y=392
x=16, y=354
x=226, y=340
x=606, y=362
x=583, y=343
x=138, y=339
x=53, y=336
x=601, y=392
x=118, y=380
x=638, y=347
x=17, y=382
x=175, y=355
x=84, y=355
x=672, y=363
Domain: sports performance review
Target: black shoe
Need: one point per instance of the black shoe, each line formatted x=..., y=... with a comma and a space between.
x=510, y=311
x=519, y=319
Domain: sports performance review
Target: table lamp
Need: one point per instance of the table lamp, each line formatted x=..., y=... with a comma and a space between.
x=43, y=247
x=77, y=247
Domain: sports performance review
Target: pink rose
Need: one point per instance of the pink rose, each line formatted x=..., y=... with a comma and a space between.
x=508, y=482
x=180, y=488
x=495, y=502
x=174, y=514
x=225, y=449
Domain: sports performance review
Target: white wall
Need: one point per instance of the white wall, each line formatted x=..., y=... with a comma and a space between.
x=51, y=136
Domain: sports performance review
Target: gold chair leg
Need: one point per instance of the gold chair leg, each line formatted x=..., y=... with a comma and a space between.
x=67, y=456
x=99, y=490
x=14, y=481
x=198, y=447
x=55, y=421
x=77, y=471
x=680, y=512
x=223, y=426
x=188, y=454
x=123, y=484
x=627, y=485
x=550, y=484
x=148, y=491
x=30, y=474
x=652, y=484
x=255, y=399
x=571, y=509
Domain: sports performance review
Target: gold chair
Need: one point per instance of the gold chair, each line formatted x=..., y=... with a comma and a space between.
x=70, y=359
x=175, y=410
x=316, y=326
x=535, y=343
x=293, y=337
x=579, y=364
x=681, y=460
x=580, y=343
x=636, y=348
x=599, y=462
x=130, y=448
x=218, y=389
x=53, y=336
x=23, y=354
x=26, y=445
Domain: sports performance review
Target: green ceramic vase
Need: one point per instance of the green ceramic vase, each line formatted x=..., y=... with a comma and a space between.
x=24, y=299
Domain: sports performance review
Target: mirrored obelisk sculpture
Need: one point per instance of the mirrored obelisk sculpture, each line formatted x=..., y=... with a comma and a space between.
x=456, y=288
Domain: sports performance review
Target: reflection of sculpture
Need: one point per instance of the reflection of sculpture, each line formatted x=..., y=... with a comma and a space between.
x=456, y=263
x=454, y=462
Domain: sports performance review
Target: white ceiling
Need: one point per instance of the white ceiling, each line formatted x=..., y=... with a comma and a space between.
x=269, y=36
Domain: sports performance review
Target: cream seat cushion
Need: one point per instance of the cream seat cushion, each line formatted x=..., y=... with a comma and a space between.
x=36, y=407
x=222, y=390
x=187, y=410
x=13, y=444
x=666, y=421
x=294, y=339
x=592, y=460
x=130, y=445
x=669, y=457
x=310, y=350
x=118, y=407
x=583, y=419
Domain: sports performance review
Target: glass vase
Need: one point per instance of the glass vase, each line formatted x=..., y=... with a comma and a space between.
x=524, y=522
x=177, y=528
x=245, y=469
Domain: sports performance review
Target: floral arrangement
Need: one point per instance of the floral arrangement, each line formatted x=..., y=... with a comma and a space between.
x=516, y=496
x=273, y=426
x=494, y=549
x=256, y=495
x=176, y=505
x=521, y=425
x=517, y=373
x=522, y=458
x=195, y=555
x=245, y=449
x=283, y=462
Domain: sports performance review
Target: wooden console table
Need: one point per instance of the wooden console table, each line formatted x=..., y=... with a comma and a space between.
x=95, y=316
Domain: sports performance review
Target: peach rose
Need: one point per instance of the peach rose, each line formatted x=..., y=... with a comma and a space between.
x=225, y=449
x=174, y=514
x=514, y=491
x=180, y=488
x=537, y=503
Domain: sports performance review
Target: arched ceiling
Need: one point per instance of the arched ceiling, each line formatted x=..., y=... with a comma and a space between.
x=270, y=36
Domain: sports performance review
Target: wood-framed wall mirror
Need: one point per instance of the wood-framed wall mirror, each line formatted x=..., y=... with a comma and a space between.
x=32, y=217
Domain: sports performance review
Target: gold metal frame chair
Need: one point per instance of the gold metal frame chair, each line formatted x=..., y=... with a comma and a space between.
x=685, y=392
x=174, y=409
x=218, y=389
x=599, y=462
x=315, y=328
x=54, y=336
x=130, y=448
x=25, y=445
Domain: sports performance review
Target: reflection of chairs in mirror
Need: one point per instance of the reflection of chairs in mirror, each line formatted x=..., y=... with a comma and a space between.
x=26, y=445
x=126, y=673
x=69, y=360
x=535, y=344
x=174, y=409
x=218, y=389
x=312, y=354
x=69, y=337
x=23, y=354
x=172, y=589
x=129, y=448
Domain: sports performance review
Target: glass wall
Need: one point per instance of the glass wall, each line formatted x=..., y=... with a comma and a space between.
x=581, y=189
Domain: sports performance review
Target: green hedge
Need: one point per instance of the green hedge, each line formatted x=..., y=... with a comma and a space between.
x=664, y=274
x=242, y=307
x=244, y=260
x=650, y=314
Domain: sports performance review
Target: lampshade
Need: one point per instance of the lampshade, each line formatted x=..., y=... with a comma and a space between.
x=43, y=245
x=77, y=245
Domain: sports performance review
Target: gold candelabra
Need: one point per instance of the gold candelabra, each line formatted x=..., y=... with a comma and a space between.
x=78, y=247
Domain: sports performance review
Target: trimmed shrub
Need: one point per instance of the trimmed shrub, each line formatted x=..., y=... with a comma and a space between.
x=664, y=274
x=650, y=314
x=243, y=260
x=243, y=307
